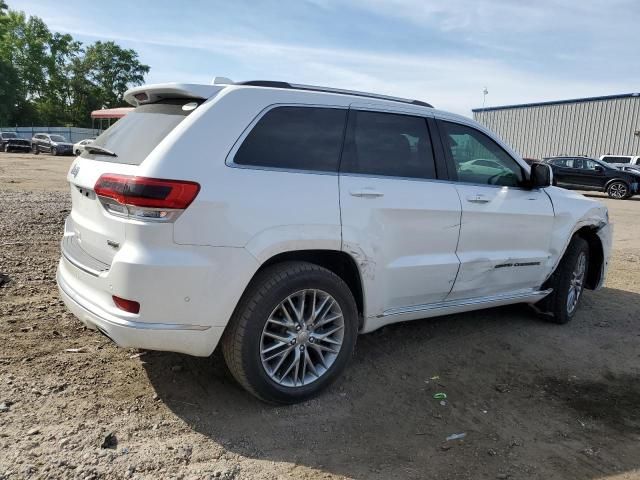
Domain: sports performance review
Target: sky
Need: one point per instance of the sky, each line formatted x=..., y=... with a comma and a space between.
x=443, y=52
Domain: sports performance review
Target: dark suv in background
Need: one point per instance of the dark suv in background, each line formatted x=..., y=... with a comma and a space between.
x=51, y=143
x=11, y=142
x=583, y=173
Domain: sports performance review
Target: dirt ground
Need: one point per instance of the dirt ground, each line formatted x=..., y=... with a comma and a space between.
x=535, y=400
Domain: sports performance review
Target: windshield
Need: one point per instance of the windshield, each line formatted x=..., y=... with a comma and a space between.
x=604, y=164
x=58, y=138
x=9, y=135
x=134, y=136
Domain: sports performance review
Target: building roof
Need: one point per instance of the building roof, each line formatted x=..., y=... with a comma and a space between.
x=558, y=102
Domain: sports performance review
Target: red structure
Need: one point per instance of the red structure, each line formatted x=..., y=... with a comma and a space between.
x=108, y=115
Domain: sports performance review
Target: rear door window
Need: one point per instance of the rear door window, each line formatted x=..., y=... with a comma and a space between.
x=388, y=144
x=133, y=137
x=297, y=138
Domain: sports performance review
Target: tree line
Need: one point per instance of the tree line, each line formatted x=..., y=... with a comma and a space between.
x=49, y=78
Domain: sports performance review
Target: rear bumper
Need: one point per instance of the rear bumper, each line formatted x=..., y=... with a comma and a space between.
x=197, y=340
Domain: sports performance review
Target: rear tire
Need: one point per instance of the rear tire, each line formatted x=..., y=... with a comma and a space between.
x=567, y=283
x=54, y=151
x=618, y=190
x=35, y=150
x=308, y=358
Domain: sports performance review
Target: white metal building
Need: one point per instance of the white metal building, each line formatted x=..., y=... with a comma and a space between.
x=585, y=126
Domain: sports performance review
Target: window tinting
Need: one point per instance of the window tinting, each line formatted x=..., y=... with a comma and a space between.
x=617, y=159
x=388, y=144
x=305, y=138
x=139, y=132
x=478, y=159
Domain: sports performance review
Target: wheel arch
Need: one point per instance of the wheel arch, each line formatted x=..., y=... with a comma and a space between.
x=616, y=179
x=596, y=255
x=336, y=261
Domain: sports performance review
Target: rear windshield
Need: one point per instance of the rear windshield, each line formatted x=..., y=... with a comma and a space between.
x=133, y=137
x=9, y=135
x=616, y=159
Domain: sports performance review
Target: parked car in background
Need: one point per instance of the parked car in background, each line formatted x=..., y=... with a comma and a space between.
x=11, y=142
x=78, y=148
x=316, y=214
x=481, y=167
x=583, y=173
x=620, y=160
x=51, y=143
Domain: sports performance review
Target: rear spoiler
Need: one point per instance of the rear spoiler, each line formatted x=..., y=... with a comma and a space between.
x=152, y=93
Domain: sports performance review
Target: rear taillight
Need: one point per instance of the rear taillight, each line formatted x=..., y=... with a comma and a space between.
x=126, y=305
x=145, y=198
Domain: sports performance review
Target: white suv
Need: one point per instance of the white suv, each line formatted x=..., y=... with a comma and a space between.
x=282, y=220
x=622, y=162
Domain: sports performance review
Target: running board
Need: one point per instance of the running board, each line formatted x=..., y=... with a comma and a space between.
x=452, y=306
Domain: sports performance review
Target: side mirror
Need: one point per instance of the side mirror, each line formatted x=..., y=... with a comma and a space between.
x=541, y=175
x=599, y=169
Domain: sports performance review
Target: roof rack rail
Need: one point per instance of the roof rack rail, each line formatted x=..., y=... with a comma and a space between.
x=313, y=88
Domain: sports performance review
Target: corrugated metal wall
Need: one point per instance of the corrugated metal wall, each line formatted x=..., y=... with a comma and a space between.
x=590, y=128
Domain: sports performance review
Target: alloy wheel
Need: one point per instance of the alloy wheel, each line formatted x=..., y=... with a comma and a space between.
x=576, y=284
x=302, y=338
x=618, y=190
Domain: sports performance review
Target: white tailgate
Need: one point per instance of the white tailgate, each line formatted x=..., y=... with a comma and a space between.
x=89, y=224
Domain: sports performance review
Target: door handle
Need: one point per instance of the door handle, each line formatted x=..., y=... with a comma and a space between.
x=478, y=198
x=366, y=193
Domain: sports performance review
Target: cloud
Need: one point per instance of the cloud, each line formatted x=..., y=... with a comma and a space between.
x=450, y=79
x=499, y=16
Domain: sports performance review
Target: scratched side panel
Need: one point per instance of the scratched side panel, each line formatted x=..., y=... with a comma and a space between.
x=504, y=242
x=403, y=241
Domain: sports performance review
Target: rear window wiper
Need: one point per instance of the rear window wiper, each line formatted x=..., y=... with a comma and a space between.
x=100, y=150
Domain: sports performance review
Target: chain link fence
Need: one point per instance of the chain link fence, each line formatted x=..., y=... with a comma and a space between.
x=72, y=134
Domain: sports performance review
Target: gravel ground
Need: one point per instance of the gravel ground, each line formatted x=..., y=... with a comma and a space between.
x=535, y=400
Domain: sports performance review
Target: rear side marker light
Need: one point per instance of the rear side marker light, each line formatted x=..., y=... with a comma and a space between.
x=126, y=305
x=144, y=198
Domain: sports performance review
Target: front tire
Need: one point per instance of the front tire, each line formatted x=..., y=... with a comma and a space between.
x=618, y=190
x=292, y=333
x=567, y=283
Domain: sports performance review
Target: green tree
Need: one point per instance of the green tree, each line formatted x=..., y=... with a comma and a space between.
x=8, y=99
x=113, y=70
x=57, y=100
x=51, y=78
x=9, y=80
